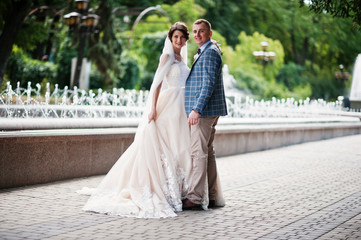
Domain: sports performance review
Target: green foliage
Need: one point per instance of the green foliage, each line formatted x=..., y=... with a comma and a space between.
x=104, y=48
x=63, y=59
x=248, y=44
x=23, y=69
x=252, y=76
x=151, y=49
x=309, y=46
x=186, y=11
x=249, y=82
x=96, y=79
x=248, y=72
x=37, y=21
x=275, y=90
x=151, y=24
x=340, y=8
x=322, y=41
x=302, y=91
x=229, y=17
x=27, y=39
x=130, y=72
x=3, y=84
x=323, y=86
x=291, y=75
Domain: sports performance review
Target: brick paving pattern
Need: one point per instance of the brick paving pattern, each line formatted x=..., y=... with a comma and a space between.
x=305, y=191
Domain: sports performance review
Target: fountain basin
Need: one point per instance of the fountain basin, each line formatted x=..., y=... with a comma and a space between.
x=8, y=124
x=356, y=105
x=69, y=111
x=47, y=155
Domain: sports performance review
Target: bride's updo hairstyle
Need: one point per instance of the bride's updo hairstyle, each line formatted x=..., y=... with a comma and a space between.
x=180, y=26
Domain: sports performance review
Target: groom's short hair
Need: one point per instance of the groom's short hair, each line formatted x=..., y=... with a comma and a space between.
x=200, y=21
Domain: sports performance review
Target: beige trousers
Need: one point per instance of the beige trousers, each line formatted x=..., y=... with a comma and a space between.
x=203, y=160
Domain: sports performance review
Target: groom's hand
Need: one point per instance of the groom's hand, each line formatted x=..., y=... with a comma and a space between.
x=193, y=117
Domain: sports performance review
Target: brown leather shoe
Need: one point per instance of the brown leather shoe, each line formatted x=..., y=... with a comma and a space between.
x=188, y=205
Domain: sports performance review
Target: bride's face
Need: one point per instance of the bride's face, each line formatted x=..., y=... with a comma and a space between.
x=178, y=40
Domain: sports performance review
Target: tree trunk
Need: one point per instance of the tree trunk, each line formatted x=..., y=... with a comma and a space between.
x=17, y=11
x=304, y=51
x=294, y=48
x=312, y=58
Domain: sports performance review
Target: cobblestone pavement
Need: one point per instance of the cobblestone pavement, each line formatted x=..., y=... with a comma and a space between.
x=306, y=191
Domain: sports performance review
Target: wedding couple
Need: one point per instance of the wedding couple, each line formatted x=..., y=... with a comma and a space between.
x=171, y=164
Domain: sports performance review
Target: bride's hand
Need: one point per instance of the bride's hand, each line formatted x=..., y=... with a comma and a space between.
x=152, y=116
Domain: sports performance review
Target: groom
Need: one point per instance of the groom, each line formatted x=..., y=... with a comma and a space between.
x=204, y=103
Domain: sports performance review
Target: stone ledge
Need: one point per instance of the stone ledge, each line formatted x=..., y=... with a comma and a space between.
x=41, y=156
x=233, y=140
x=14, y=124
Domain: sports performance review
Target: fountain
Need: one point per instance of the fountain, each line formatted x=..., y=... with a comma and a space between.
x=28, y=103
x=355, y=94
x=67, y=133
x=230, y=84
x=26, y=108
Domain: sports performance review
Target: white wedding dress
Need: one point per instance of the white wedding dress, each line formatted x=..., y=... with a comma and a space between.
x=150, y=179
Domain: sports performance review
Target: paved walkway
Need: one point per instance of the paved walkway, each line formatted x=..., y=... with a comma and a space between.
x=306, y=191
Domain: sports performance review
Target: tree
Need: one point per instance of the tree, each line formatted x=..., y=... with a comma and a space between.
x=13, y=15
x=337, y=8
x=186, y=11
x=105, y=50
x=229, y=17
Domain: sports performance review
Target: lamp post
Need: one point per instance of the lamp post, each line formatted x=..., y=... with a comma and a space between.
x=342, y=76
x=83, y=24
x=264, y=56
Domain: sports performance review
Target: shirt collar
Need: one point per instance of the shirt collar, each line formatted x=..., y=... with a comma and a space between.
x=205, y=45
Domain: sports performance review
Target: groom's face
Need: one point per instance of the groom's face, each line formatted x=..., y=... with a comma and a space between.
x=201, y=34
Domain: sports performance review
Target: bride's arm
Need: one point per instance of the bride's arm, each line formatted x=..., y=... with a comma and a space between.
x=153, y=113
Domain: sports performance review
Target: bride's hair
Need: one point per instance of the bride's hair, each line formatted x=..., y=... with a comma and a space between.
x=180, y=26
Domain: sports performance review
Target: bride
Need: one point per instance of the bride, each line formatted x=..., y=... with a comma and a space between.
x=150, y=179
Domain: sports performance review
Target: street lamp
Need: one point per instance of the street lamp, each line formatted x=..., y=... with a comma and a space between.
x=264, y=56
x=342, y=75
x=72, y=19
x=83, y=24
x=341, y=78
x=82, y=5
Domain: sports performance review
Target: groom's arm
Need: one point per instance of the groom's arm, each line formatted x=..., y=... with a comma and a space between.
x=210, y=65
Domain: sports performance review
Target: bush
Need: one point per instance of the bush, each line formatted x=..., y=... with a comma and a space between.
x=151, y=49
x=95, y=79
x=146, y=81
x=291, y=75
x=248, y=82
x=129, y=69
x=21, y=68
